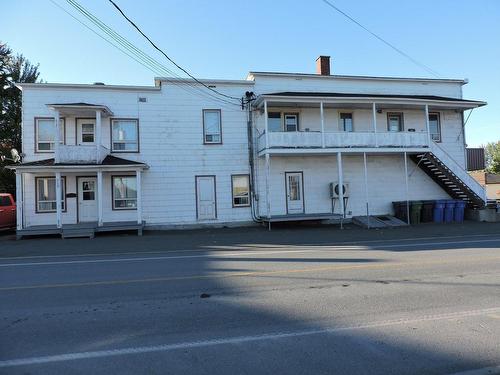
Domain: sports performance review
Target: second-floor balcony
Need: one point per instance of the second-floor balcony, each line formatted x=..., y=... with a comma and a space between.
x=82, y=154
x=316, y=139
x=302, y=122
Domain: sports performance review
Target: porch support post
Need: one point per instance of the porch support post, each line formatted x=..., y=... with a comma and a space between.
x=366, y=191
x=58, y=200
x=374, y=115
x=57, y=136
x=427, y=125
x=268, y=176
x=407, y=190
x=19, y=200
x=99, y=199
x=341, y=184
x=98, y=132
x=266, y=124
x=139, y=196
x=322, y=124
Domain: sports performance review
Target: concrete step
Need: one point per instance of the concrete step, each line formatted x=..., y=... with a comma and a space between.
x=78, y=233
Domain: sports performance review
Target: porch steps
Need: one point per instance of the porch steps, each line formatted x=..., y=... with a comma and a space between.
x=77, y=232
x=447, y=179
x=378, y=222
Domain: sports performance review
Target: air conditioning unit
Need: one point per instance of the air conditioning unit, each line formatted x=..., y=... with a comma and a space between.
x=335, y=190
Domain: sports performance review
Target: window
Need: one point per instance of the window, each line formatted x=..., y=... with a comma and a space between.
x=124, y=192
x=394, y=122
x=46, y=194
x=124, y=135
x=45, y=129
x=5, y=201
x=241, y=190
x=87, y=132
x=346, y=122
x=435, y=127
x=291, y=122
x=274, y=122
x=212, y=126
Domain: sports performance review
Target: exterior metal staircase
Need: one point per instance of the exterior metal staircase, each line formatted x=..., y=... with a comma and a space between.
x=451, y=176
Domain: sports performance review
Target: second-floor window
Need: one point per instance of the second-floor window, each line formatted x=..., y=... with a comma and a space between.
x=346, y=122
x=45, y=129
x=124, y=135
x=395, y=122
x=435, y=127
x=274, y=122
x=212, y=130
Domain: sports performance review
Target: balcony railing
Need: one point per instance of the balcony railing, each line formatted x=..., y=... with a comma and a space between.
x=344, y=139
x=92, y=154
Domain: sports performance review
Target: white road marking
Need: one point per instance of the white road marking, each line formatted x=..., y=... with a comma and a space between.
x=241, y=245
x=481, y=371
x=239, y=254
x=237, y=339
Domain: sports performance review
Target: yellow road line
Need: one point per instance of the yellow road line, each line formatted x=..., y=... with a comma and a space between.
x=242, y=274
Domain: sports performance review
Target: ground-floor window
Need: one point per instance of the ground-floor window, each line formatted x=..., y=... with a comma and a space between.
x=124, y=192
x=241, y=190
x=46, y=194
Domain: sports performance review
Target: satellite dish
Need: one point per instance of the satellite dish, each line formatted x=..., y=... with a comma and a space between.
x=15, y=155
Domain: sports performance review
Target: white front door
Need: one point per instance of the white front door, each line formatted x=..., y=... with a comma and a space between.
x=85, y=131
x=87, y=199
x=205, y=197
x=294, y=193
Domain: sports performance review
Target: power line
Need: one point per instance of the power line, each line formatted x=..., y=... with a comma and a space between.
x=164, y=54
x=137, y=52
x=421, y=65
x=138, y=55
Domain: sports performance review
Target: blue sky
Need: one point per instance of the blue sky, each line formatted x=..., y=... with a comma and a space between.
x=226, y=39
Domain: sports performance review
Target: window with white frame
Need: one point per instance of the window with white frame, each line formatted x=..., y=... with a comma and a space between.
x=240, y=190
x=291, y=122
x=346, y=122
x=124, y=192
x=395, y=121
x=45, y=129
x=212, y=129
x=435, y=127
x=46, y=194
x=124, y=135
x=88, y=130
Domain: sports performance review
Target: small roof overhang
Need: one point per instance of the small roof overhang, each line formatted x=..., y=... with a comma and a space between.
x=109, y=163
x=80, y=109
x=312, y=99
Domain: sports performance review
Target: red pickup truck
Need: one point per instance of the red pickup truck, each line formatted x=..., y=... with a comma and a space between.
x=7, y=211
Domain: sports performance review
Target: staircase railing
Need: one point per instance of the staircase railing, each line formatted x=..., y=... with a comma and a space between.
x=458, y=170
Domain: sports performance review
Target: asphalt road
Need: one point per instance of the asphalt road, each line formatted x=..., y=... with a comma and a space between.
x=246, y=301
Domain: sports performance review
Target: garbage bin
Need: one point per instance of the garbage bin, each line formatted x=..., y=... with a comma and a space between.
x=415, y=213
x=458, y=214
x=400, y=210
x=449, y=210
x=439, y=211
x=427, y=211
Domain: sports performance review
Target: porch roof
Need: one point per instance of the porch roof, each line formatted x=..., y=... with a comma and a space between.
x=80, y=109
x=109, y=163
x=309, y=97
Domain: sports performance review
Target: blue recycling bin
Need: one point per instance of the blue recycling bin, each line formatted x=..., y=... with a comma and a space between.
x=458, y=214
x=438, y=213
x=449, y=210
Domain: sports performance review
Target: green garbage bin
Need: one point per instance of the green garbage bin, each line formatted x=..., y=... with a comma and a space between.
x=415, y=212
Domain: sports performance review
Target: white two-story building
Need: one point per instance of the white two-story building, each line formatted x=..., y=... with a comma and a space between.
x=100, y=157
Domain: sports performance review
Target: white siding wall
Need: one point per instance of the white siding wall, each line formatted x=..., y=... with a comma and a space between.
x=386, y=183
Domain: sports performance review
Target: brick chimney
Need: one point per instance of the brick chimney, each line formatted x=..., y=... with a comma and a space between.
x=323, y=65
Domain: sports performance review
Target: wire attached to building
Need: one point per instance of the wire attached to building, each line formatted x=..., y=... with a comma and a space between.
x=402, y=53
x=164, y=54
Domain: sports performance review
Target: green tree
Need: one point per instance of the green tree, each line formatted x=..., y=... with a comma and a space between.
x=13, y=68
x=492, y=156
